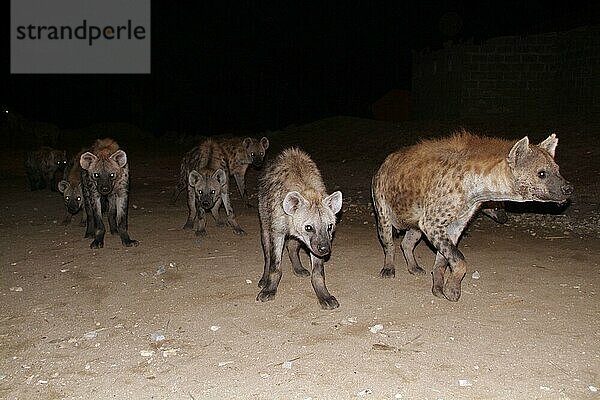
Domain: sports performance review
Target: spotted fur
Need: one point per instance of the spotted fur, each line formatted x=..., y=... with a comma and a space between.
x=436, y=186
x=42, y=167
x=105, y=185
x=296, y=211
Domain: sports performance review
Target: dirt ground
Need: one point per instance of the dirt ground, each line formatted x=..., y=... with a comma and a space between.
x=77, y=323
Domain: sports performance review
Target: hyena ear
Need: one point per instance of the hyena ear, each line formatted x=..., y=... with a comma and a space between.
x=264, y=142
x=62, y=186
x=86, y=160
x=292, y=202
x=220, y=176
x=549, y=144
x=334, y=201
x=194, y=177
x=247, y=142
x=518, y=152
x=120, y=157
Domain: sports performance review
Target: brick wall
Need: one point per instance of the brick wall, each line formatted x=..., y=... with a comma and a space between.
x=521, y=77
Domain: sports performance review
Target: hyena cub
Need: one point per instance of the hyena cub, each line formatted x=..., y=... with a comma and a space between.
x=295, y=210
x=436, y=186
x=205, y=173
x=70, y=187
x=42, y=166
x=241, y=153
x=105, y=185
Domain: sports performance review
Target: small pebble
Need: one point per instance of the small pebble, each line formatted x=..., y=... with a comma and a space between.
x=16, y=289
x=287, y=365
x=376, y=328
x=476, y=275
x=593, y=388
x=248, y=281
x=464, y=383
x=147, y=353
x=364, y=392
x=157, y=337
x=90, y=335
x=215, y=328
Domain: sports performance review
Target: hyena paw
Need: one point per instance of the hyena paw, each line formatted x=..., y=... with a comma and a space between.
x=452, y=292
x=387, y=272
x=329, y=303
x=416, y=270
x=266, y=295
x=188, y=225
x=438, y=291
x=201, y=232
x=262, y=283
x=303, y=272
x=239, y=231
x=130, y=243
x=89, y=235
x=97, y=244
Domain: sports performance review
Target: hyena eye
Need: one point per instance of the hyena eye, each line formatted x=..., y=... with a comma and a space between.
x=212, y=191
x=199, y=191
x=308, y=228
x=329, y=227
x=96, y=175
x=542, y=174
x=112, y=175
x=67, y=198
x=252, y=154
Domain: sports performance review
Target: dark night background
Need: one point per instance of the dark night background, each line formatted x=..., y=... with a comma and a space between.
x=232, y=67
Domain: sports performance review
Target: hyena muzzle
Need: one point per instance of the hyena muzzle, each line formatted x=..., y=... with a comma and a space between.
x=43, y=165
x=105, y=185
x=295, y=211
x=436, y=186
x=73, y=200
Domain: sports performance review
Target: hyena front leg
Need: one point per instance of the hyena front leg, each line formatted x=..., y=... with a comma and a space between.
x=215, y=213
x=265, y=237
x=121, y=203
x=317, y=277
x=272, y=268
x=67, y=219
x=192, y=212
x=439, y=268
x=240, y=181
x=410, y=241
x=200, y=221
x=446, y=245
x=293, y=248
x=237, y=229
x=89, y=215
x=385, y=232
x=112, y=215
x=99, y=229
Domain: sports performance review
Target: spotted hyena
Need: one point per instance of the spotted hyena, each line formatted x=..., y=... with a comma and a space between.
x=43, y=165
x=70, y=187
x=240, y=154
x=436, y=186
x=204, y=172
x=105, y=185
x=296, y=211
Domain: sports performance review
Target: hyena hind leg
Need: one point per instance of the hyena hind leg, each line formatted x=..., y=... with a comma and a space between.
x=456, y=261
x=272, y=269
x=410, y=241
x=386, y=237
x=293, y=248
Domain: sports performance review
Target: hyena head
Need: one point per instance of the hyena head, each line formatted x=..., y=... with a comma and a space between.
x=72, y=195
x=313, y=221
x=535, y=173
x=58, y=158
x=255, y=150
x=207, y=186
x=104, y=171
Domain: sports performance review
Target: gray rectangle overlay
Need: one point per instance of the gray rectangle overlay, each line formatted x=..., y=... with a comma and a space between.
x=80, y=37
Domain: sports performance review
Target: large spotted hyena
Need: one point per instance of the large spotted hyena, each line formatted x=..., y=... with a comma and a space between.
x=205, y=172
x=70, y=187
x=43, y=165
x=240, y=154
x=296, y=211
x=44, y=133
x=105, y=185
x=436, y=186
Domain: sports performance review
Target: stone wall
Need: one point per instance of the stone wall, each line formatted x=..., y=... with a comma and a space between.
x=522, y=77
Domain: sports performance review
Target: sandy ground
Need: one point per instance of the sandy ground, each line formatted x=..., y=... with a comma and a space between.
x=77, y=323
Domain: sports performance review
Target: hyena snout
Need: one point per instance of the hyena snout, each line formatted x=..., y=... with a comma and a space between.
x=73, y=206
x=321, y=247
x=567, y=189
x=206, y=202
